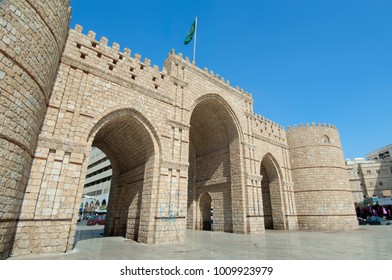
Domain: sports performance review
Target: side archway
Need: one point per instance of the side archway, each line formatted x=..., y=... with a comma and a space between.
x=131, y=144
x=272, y=194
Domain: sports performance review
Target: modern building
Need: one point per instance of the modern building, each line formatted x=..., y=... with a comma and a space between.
x=371, y=177
x=376, y=178
x=355, y=178
x=381, y=154
x=97, y=184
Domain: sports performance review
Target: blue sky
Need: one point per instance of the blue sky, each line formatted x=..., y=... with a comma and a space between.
x=302, y=60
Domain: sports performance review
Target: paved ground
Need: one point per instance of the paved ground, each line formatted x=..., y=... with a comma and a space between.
x=366, y=243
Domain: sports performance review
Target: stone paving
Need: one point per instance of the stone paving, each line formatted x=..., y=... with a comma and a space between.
x=366, y=243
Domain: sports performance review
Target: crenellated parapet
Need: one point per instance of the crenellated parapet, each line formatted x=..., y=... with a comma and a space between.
x=178, y=59
x=307, y=125
x=101, y=49
x=313, y=134
x=266, y=128
x=87, y=53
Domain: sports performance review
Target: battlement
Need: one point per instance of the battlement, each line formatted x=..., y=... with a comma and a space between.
x=112, y=60
x=266, y=121
x=268, y=129
x=216, y=78
x=114, y=50
x=313, y=134
x=313, y=125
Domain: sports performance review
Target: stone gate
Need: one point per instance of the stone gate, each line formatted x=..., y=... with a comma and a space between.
x=181, y=140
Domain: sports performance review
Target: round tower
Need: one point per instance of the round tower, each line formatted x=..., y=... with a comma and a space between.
x=322, y=192
x=32, y=37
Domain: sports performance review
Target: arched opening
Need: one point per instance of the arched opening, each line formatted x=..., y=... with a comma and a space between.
x=206, y=212
x=97, y=184
x=272, y=194
x=325, y=140
x=214, y=165
x=126, y=140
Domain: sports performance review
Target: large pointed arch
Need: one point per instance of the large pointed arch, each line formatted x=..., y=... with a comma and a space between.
x=215, y=163
x=131, y=143
x=112, y=113
x=224, y=104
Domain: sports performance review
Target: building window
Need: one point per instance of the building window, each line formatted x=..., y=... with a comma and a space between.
x=368, y=171
x=384, y=155
x=326, y=140
x=378, y=171
x=99, y=171
x=371, y=183
x=98, y=182
x=380, y=183
x=98, y=162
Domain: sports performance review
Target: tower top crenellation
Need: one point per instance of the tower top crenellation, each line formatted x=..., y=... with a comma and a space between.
x=313, y=125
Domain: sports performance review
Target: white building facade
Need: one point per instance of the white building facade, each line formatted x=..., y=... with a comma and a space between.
x=97, y=184
x=371, y=177
x=382, y=154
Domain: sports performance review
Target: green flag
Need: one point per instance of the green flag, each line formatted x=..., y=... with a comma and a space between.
x=189, y=37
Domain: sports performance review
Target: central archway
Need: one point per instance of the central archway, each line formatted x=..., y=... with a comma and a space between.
x=214, y=164
x=127, y=139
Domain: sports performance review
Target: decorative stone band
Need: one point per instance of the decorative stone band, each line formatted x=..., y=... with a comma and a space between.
x=17, y=143
x=27, y=72
x=319, y=166
x=315, y=145
x=170, y=218
x=321, y=190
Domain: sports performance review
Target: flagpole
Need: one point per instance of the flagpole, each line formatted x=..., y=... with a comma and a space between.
x=194, y=43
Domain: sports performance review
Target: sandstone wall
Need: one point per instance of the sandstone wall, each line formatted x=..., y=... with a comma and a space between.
x=32, y=36
x=322, y=193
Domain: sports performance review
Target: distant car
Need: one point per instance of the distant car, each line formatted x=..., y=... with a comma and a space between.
x=87, y=216
x=375, y=220
x=96, y=220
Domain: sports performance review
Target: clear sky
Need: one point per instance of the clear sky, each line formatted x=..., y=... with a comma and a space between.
x=302, y=60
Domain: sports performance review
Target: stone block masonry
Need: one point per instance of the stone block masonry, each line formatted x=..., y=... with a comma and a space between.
x=321, y=180
x=181, y=140
x=32, y=37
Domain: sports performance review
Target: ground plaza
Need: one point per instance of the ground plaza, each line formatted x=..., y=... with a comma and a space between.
x=366, y=243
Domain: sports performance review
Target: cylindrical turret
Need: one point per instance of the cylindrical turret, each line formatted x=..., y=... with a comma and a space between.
x=322, y=192
x=32, y=37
